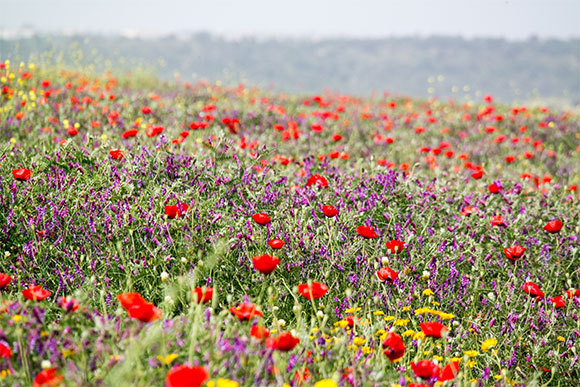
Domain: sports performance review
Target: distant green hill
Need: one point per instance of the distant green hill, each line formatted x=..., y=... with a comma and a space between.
x=548, y=70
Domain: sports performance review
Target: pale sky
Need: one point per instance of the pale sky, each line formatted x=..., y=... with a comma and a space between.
x=510, y=19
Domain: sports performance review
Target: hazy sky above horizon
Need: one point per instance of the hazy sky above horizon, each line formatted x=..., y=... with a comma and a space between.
x=510, y=19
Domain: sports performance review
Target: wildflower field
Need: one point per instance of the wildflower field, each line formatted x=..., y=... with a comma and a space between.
x=173, y=234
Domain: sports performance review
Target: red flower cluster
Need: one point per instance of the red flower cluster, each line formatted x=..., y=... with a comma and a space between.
x=138, y=308
x=314, y=291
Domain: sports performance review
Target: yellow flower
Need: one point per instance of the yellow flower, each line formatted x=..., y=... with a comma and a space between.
x=378, y=313
x=471, y=353
x=454, y=359
x=421, y=311
x=5, y=373
x=351, y=310
x=471, y=363
x=221, y=382
x=402, y=322
x=326, y=383
x=560, y=338
x=419, y=336
x=439, y=358
x=380, y=332
x=487, y=344
x=473, y=380
x=68, y=352
x=359, y=341
x=408, y=332
x=341, y=323
x=406, y=308
x=389, y=318
x=435, y=303
x=427, y=292
x=446, y=316
x=498, y=377
x=366, y=350
x=167, y=359
x=17, y=318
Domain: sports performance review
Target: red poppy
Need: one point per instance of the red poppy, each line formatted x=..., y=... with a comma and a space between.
x=145, y=312
x=316, y=290
x=246, y=311
x=395, y=246
x=449, y=372
x=265, y=264
x=259, y=332
x=497, y=220
x=283, y=342
x=117, y=154
x=276, y=243
x=493, y=188
x=533, y=289
x=201, y=296
x=558, y=302
x=554, y=226
x=176, y=210
x=261, y=218
x=48, y=378
x=425, y=369
x=317, y=180
x=468, y=210
x=184, y=376
x=36, y=293
x=573, y=293
x=477, y=175
x=387, y=274
x=366, y=232
x=329, y=211
x=393, y=346
x=510, y=159
x=5, y=280
x=514, y=252
x=129, y=133
x=433, y=329
x=5, y=351
x=146, y=110
x=68, y=304
x=127, y=300
x=21, y=174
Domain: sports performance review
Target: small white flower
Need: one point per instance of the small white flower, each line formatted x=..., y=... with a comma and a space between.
x=164, y=276
x=320, y=314
x=281, y=323
x=46, y=364
x=183, y=260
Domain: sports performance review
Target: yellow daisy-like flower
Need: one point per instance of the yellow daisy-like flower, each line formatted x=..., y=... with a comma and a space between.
x=446, y=316
x=471, y=363
x=487, y=344
x=419, y=336
x=406, y=308
x=380, y=332
x=326, y=383
x=560, y=338
x=366, y=350
x=435, y=303
x=498, y=377
x=427, y=292
x=359, y=341
x=402, y=322
x=422, y=310
x=167, y=359
x=439, y=358
x=454, y=359
x=471, y=353
x=17, y=318
x=222, y=382
x=341, y=323
x=408, y=332
x=351, y=310
x=378, y=313
x=5, y=373
x=389, y=318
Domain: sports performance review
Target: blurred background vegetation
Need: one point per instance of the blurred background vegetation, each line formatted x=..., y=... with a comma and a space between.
x=532, y=70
